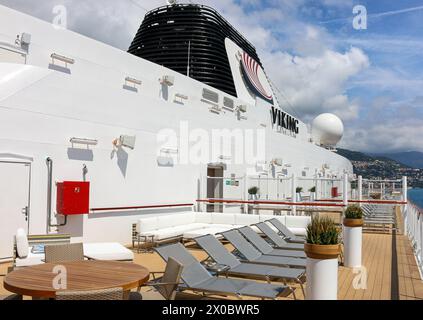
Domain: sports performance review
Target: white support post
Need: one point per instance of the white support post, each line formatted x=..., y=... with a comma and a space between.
x=245, y=194
x=294, y=194
x=345, y=190
x=381, y=190
x=360, y=188
x=404, y=189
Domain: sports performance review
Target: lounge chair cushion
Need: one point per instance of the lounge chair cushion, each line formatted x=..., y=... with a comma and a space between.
x=112, y=251
x=22, y=244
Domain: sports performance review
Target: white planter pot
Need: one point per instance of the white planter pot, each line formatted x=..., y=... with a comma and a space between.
x=322, y=271
x=298, y=197
x=322, y=279
x=352, y=246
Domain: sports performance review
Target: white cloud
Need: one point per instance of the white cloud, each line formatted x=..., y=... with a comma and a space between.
x=316, y=84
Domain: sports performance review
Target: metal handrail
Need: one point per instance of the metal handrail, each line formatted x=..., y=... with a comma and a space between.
x=154, y=206
x=287, y=203
x=413, y=227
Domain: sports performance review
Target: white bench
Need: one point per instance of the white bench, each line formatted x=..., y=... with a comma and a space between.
x=189, y=225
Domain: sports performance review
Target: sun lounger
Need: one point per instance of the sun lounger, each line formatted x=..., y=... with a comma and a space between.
x=250, y=254
x=278, y=241
x=285, y=232
x=196, y=278
x=265, y=248
x=236, y=268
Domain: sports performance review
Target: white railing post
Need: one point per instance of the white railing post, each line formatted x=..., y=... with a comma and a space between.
x=345, y=190
x=360, y=189
x=404, y=189
x=294, y=194
x=245, y=194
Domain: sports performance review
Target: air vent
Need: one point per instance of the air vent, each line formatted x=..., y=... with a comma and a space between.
x=228, y=103
x=210, y=95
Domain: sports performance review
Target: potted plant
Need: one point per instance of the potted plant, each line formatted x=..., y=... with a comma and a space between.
x=353, y=230
x=312, y=193
x=322, y=249
x=298, y=191
x=252, y=192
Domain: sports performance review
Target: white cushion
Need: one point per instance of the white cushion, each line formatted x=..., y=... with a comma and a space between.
x=22, y=244
x=32, y=259
x=223, y=218
x=188, y=227
x=166, y=233
x=107, y=251
x=297, y=221
x=147, y=224
x=184, y=218
x=203, y=217
x=201, y=232
x=246, y=219
x=166, y=222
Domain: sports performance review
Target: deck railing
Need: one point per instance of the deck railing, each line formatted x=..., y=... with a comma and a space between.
x=413, y=227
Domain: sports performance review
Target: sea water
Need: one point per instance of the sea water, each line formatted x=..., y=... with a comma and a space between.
x=416, y=196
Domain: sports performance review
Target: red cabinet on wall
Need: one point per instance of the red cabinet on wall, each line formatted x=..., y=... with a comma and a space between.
x=334, y=192
x=73, y=197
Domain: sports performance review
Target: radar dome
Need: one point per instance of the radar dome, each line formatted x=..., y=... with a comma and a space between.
x=327, y=129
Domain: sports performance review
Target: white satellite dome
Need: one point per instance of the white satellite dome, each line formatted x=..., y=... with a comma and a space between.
x=327, y=129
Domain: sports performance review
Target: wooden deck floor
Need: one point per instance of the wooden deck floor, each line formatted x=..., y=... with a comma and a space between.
x=388, y=260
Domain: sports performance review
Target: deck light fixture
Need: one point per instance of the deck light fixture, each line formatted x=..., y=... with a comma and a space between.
x=88, y=142
x=64, y=59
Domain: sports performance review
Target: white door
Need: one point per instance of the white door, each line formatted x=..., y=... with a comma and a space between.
x=14, y=203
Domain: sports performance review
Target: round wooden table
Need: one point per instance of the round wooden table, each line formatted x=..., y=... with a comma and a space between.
x=37, y=281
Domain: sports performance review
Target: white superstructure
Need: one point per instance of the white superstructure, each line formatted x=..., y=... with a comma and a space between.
x=106, y=116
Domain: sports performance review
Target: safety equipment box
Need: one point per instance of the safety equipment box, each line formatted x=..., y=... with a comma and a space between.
x=73, y=197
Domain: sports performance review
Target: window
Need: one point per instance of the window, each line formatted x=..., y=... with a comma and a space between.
x=210, y=95
x=228, y=103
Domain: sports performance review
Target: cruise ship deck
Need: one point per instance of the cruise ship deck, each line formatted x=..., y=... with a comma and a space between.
x=390, y=273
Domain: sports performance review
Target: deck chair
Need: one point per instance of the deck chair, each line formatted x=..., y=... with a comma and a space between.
x=164, y=287
x=278, y=241
x=218, y=253
x=103, y=294
x=265, y=248
x=64, y=252
x=250, y=254
x=196, y=278
x=285, y=232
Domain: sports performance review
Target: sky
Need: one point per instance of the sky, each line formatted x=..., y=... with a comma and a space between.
x=372, y=78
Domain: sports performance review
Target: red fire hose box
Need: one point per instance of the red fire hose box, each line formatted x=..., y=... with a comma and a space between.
x=335, y=192
x=73, y=197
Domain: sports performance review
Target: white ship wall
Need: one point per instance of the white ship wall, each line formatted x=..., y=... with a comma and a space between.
x=42, y=108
